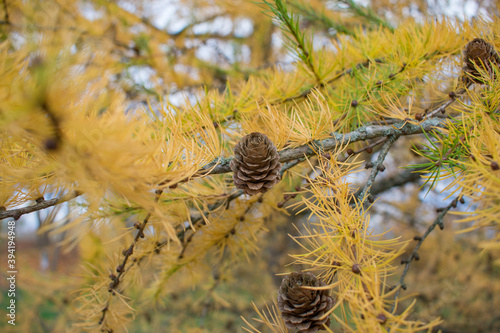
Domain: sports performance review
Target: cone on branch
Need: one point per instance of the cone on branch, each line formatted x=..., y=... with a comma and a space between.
x=479, y=53
x=256, y=167
x=304, y=309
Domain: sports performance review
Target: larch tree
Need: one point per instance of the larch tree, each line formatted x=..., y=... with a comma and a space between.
x=250, y=166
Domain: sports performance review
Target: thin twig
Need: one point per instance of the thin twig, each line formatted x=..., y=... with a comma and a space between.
x=378, y=165
x=196, y=221
x=437, y=222
x=41, y=204
x=367, y=148
x=226, y=202
x=121, y=269
x=442, y=107
x=345, y=72
x=190, y=238
x=400, y=179
x=339, y=75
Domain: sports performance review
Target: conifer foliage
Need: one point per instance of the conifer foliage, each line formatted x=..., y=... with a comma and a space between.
x=179, y=160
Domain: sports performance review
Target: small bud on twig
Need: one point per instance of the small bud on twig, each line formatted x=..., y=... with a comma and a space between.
x=381, y=319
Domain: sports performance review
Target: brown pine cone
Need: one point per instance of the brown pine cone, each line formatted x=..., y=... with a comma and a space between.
x=302, y=309
x=256, y=167
x=482, y=54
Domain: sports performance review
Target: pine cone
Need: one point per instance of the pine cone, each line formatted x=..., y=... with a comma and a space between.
x=481, y=53
x=256, y=167
x=302, y=309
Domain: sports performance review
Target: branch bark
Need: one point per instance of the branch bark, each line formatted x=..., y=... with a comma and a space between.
x=414, y=255
x=42, y=204
x=378, y=166
x=400, y=179
x=221, y=165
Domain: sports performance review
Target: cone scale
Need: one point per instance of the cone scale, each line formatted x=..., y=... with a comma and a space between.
x=304, y=309
x=479, y=53
x=256, y=167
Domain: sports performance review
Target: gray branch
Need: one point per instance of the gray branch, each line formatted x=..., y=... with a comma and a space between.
x=414, y=254
x=221, y=165
x=400, y=179
x=378, y=165
x=17, y=213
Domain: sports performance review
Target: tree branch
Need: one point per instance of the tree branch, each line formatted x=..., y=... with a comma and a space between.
x=405, y=177
x=41, y=204
x=414, y=255
x=121, y=269
x=378, y=166
x=221, y=165
x=227, y=201
x=442, y=107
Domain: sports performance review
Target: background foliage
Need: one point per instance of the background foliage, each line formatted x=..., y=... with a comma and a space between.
x=118, y=120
